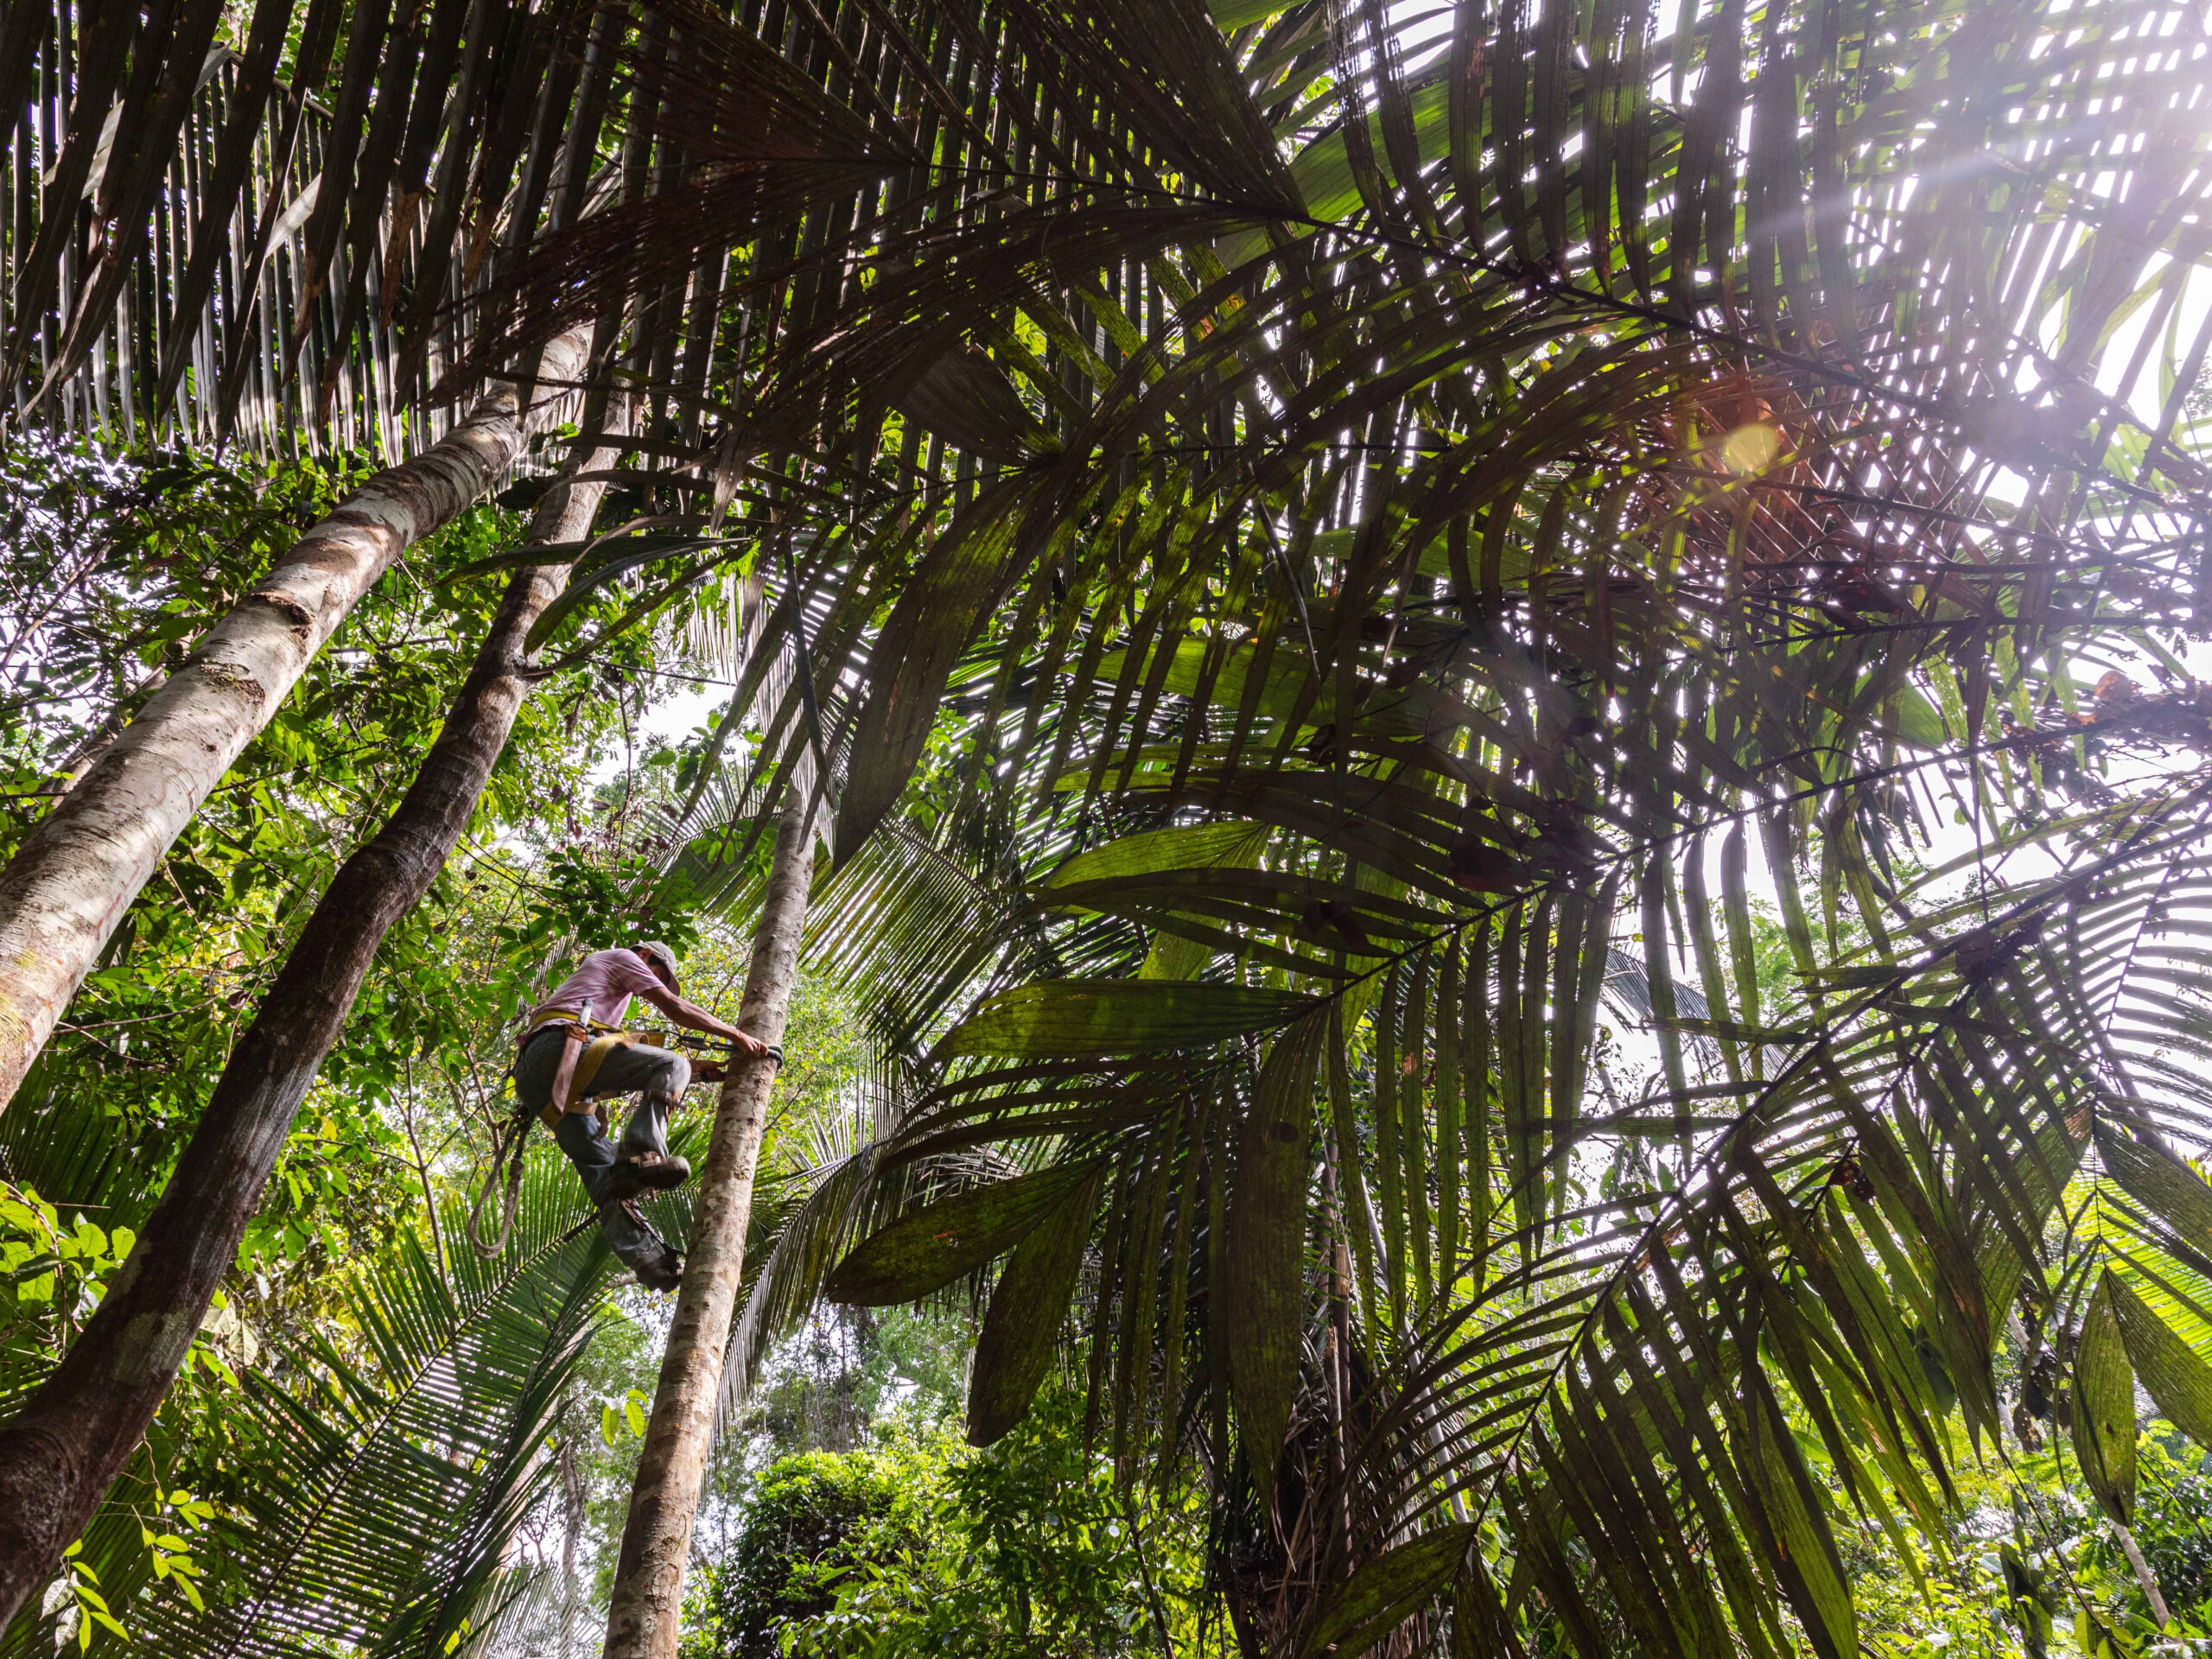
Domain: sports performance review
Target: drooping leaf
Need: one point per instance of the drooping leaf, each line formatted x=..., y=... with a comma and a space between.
x=1077, y=1019
x=966, y=398
x=929, y=1247
x=1194, y=846
x=1382, y=1593
x=1265, y=1249
x=2104, y=1407
x=2180, y=1383
x=1029, y=1305
x=2170, y=1192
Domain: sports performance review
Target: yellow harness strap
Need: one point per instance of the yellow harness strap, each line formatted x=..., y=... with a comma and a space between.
x=587, y=1063
x=592, y=1058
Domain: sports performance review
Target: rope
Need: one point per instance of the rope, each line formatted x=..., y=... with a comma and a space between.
x=508, y=1144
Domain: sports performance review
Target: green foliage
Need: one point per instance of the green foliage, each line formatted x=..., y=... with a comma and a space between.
x=810, y=1518
x=917, y=1544
x=2026, y=1565
x=585, y=902
x=1378, y=521
x=47, y=1265
x=2173, y=1524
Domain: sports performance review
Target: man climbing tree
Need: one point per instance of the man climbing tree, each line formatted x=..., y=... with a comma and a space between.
x=561, y=1068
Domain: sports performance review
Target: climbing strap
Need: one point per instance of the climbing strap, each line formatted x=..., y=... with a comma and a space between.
x=591, y=1059
x=506, y=1146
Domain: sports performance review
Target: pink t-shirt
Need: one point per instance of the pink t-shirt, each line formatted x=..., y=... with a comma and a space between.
x=606, y=980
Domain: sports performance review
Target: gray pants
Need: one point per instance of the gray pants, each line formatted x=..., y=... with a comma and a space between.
x=659, y=1075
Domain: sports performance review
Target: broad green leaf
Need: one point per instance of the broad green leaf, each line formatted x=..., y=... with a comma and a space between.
x=1820, y=1592
x=2104, y=1407
x=2179, y=1383
x=1323, y=171
x=1265, y=1267
x=1028, y=1307
x=931, y=1248
x=964, y=573
x=1187, y=845
x=2168, y=1189
x=1917, y=720
x=1383, y=1592
x=1078, y=1019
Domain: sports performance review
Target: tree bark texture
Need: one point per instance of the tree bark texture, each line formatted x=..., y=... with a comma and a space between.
x=642, y=1619
x=62, y=1451
x=74, y=876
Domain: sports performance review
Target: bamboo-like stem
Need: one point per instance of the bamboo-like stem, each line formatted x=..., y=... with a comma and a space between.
x=2144, y=1576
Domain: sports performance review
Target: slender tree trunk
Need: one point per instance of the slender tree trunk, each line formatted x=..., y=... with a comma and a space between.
x=574, y=1499
x=642, y=1617
x=60, y=1453
x=75, y=875
x=2160, y=1615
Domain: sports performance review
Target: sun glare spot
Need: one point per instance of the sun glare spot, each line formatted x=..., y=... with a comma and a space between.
x=1751, y=448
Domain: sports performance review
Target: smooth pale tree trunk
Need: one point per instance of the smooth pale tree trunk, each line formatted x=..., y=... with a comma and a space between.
x=74, y=876
x=62, y=1451
x=2161, y=1615
x=642, y=1617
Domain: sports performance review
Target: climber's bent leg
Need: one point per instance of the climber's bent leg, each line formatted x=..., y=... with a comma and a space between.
x=586, y=1146
x=632, y=1237
x=660, y=1076
x=579, y=1135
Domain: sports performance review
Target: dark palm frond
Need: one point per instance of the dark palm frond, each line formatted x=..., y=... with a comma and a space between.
x=1861, y=1224
x=200, y=246
x=800, y=1233
x=907, y=929
x=1447, y=825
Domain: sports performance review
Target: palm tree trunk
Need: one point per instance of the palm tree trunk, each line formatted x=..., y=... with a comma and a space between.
x=75, y=875
x=60, y=1452
x=642, y=1617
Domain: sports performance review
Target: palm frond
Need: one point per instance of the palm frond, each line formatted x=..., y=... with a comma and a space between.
x=380, y=1482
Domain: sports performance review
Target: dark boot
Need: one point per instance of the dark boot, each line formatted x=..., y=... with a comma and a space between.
x=659, y=1269
x=641, y=1250
x=666, y=1273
